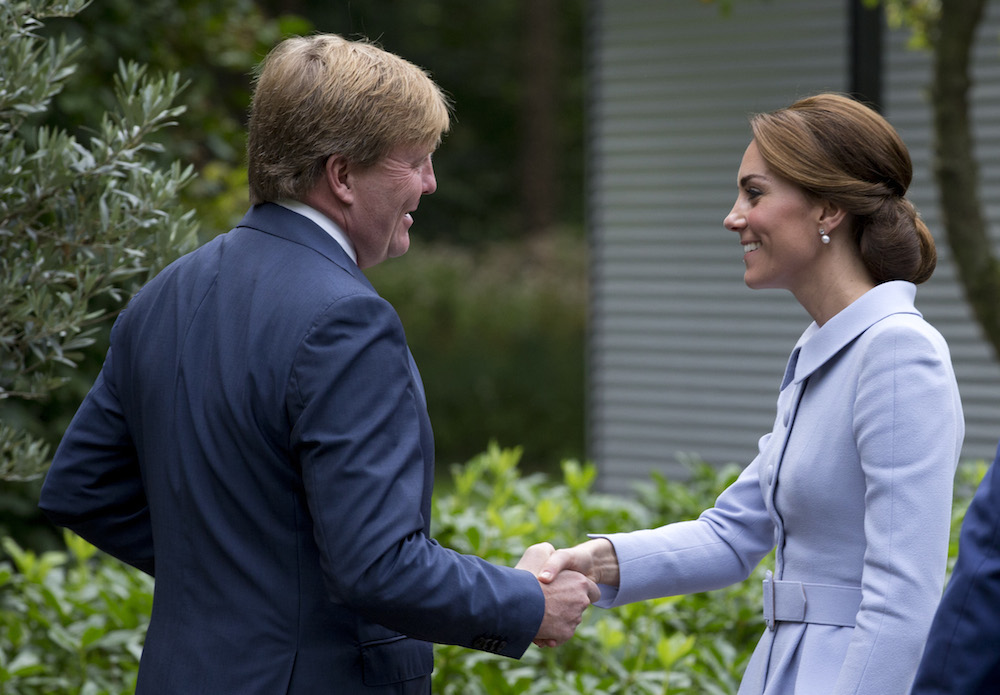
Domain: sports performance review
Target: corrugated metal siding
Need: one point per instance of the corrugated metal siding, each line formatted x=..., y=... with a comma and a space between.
x=684, y=359
x=907, y=75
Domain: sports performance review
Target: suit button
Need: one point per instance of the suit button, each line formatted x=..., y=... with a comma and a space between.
x=489, y=643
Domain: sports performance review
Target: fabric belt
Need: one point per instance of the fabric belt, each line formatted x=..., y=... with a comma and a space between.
x=799, y=602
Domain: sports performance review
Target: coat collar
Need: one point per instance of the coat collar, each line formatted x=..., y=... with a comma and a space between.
x=819, y=344
x=284, y=223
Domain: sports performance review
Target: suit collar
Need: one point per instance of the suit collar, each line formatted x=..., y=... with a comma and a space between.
x=819, y=344
x=284, y=223
x=328, y=225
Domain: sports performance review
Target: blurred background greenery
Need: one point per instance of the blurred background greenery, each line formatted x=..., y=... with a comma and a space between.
x=493, y=291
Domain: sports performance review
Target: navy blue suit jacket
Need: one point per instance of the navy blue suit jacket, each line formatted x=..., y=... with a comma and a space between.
x=258, y=438
x=962, y=655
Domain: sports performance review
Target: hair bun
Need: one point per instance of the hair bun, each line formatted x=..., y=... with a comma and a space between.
x=896, y=244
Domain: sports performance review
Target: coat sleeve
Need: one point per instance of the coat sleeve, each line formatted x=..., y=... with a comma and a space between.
x=721, y=547
x=94, y=487
x=908, y=426
x=356, y=417
x=961, y=656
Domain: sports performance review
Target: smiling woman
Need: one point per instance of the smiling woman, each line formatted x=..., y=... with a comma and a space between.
x=852, y=487
x=821, y=205
x=772, y=217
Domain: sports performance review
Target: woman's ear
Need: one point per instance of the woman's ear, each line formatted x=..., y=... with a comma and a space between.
x=337, y=172
x=831, y=216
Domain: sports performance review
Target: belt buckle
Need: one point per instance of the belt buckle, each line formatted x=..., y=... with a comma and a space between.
x=769, y=601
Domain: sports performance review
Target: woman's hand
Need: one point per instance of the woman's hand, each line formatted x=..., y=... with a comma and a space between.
x=595, y=559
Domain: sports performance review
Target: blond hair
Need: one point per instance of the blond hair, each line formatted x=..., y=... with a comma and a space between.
x=840, y=150
x=321, y=95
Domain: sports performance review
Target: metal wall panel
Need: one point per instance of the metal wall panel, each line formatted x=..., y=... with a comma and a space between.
x=907, y=75
x=683, y=358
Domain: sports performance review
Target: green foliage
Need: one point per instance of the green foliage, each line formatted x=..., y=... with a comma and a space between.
x=82, y=224
x=919, y=16
x=70, y=622
x=498, y=333
x=692, y=644
x=967, y=480
x=74, y=621
x=213, y=45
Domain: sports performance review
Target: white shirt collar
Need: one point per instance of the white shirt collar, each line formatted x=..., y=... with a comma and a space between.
x=323, y=221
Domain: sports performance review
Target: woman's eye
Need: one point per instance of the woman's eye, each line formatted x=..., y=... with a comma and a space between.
x=753, y=193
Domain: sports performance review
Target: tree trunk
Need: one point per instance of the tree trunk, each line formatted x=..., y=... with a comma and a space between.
x=538, y=116
x=955, y=168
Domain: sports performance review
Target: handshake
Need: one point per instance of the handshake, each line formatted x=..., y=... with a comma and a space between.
x=569, y=579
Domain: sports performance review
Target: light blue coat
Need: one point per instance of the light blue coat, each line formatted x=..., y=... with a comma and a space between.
x=853, y=487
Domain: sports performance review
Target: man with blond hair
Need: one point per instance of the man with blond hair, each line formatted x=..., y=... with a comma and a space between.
x=258, y=437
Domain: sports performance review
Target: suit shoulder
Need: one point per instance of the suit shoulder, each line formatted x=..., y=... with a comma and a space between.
x=287, y=271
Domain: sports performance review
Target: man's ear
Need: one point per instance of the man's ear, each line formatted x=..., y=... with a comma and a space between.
x=338, y=174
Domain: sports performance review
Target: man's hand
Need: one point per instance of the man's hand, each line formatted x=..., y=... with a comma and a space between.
x=534, y=557
x=566, y=597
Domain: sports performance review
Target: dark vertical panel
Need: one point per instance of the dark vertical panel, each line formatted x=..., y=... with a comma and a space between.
x=540, y=73
x=866, y=52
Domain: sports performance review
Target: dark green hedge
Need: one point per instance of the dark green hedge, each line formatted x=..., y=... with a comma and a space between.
x=498, y=333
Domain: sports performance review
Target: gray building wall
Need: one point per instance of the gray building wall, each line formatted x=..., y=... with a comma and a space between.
x=684, y=359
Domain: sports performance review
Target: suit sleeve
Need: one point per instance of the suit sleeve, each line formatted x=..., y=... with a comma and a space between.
x=961, y=656
x=908, y=426
x=356, y=417
x=94, y=487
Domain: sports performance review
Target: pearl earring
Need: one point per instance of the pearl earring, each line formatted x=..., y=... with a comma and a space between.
x=823, y=236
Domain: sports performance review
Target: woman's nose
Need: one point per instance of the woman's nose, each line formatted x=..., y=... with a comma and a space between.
x=734, y=221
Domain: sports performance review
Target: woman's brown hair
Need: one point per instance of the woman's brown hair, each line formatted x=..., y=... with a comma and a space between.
x=838, y=149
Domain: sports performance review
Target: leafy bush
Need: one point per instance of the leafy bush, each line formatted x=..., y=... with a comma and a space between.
x=70, y=622
x=82, y=220
x=498, y=333
x=73, y=622
x=696, y=644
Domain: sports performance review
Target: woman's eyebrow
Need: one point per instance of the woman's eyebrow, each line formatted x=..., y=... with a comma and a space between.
x=750, y=177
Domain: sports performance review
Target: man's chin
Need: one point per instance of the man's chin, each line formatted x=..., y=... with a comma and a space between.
x=399, y=246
